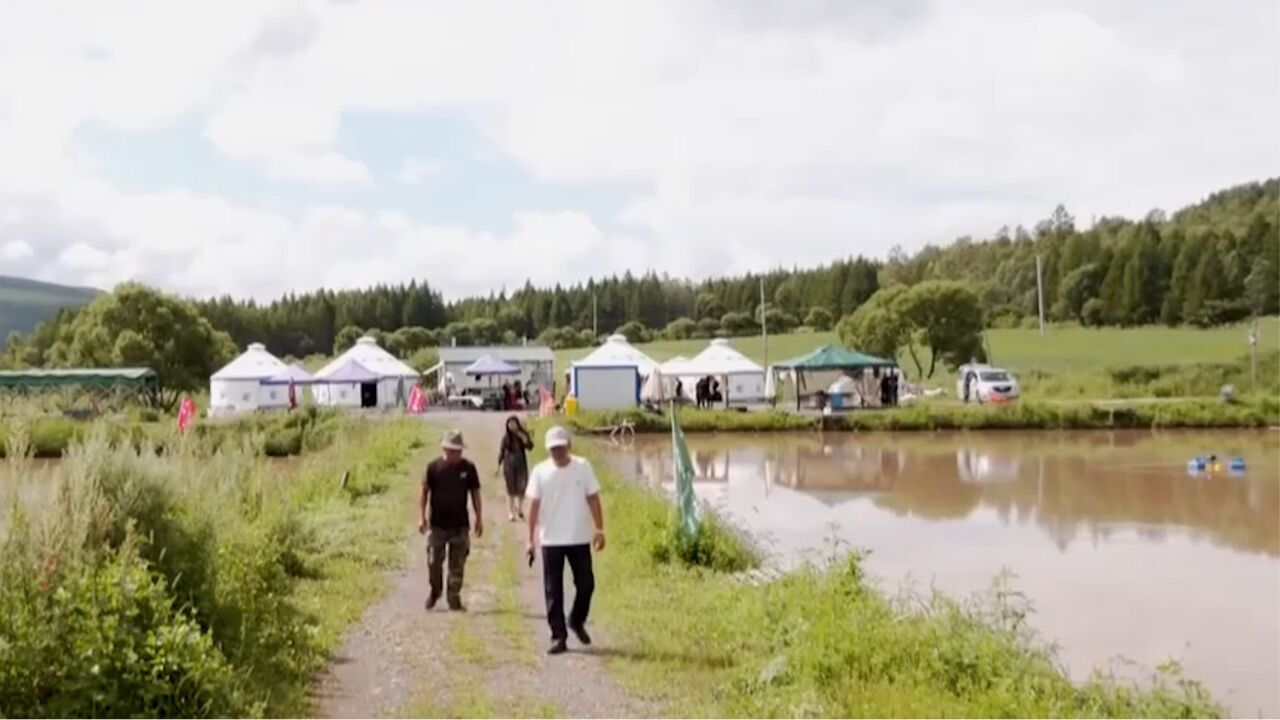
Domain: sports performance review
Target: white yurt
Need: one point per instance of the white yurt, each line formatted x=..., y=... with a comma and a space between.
x=742, y=380
x=366, y=376
x=611, y=376
x=238, y=387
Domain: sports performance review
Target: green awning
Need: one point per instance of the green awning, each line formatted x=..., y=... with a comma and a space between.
x=77, y=377
x=831, y=357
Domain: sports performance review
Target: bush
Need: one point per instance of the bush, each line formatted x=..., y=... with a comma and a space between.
x=819, y=318
x=164, y=586
x=105, y=640
x=635, y=332
x=680, y=329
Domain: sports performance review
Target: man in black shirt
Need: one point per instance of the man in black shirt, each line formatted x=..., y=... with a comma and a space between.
x=442, y=508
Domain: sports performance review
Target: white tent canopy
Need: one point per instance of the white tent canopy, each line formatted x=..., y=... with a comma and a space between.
x=611, y=376
x=617, y=352
x=744, y=379
x=394, y=377
x=237, y=387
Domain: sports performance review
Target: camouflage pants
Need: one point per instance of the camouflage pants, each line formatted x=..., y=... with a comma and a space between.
x=456, y=544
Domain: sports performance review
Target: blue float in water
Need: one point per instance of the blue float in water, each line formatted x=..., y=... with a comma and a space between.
x=1195, y=465
x=1236, y=464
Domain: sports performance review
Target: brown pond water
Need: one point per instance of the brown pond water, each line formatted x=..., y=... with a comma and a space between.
x=1123, y=553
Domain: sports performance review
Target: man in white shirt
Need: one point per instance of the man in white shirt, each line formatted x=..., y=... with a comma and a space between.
x=565, y=517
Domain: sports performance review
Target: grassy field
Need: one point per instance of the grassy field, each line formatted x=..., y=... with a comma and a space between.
x=1074, y=355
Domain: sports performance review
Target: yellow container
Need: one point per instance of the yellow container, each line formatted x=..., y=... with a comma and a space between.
x=570, y=406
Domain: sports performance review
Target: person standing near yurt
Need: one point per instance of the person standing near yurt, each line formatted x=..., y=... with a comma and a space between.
x=513, y=463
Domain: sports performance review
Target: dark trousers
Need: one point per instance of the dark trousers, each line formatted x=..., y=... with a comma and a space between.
x=584, y=584
x=456, y=545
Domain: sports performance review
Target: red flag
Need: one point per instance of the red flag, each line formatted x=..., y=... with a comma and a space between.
x=417, y=400
x=186, y=413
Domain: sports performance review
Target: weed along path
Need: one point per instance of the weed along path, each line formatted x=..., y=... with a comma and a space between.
x=401, y=660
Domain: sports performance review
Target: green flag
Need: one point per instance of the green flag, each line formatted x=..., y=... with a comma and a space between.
x=684, y=479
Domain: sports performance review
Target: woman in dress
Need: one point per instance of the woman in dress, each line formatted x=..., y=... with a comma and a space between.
x=514, y=462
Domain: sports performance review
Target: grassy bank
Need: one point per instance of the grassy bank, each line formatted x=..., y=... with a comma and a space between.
x=1024, y=415
x=276, y=435
x=193, y=584
x=824, y=642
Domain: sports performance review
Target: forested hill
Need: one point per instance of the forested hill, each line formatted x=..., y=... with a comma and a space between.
x=1214, y=262
x=25, y=303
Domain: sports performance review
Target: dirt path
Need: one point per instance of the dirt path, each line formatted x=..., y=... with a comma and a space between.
x=403, y=661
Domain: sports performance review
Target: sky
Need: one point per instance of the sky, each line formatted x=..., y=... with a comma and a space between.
x=256, y=147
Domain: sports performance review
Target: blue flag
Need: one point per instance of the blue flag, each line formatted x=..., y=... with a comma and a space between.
x=684, y=479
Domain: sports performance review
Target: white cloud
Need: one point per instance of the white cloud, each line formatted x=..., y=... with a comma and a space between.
x=16, y=250
x=757, y=134
x=418, y=170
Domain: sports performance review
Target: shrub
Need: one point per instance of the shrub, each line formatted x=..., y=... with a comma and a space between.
x=105, y=640
x=680, y=329
x=635, y=332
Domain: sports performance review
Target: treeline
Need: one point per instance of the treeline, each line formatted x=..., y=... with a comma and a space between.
x=1211, y=263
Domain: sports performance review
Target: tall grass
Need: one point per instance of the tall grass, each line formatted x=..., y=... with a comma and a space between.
x=1025, y=415
x=823, y=641
x=281, y=435
x=192, y=584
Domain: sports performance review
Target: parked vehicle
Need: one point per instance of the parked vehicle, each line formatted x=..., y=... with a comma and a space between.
x=985, y=384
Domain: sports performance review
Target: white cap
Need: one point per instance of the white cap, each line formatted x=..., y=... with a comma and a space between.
x=557, y=437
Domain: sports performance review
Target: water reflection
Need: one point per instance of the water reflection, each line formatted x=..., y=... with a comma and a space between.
x=1069, y=485
x=1121, y=551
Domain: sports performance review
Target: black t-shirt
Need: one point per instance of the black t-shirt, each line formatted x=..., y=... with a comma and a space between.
x=449, y=485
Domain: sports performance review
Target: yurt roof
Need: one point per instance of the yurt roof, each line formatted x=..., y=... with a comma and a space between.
x=255, y=363
x=351, y=371
x=718, y=358
x=373, y=358
x=617, y=352
x=294, y=373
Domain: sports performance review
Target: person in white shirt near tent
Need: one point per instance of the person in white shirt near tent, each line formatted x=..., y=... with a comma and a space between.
x=566, y=519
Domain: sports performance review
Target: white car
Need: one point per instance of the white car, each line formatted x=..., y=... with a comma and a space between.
x=984, y=384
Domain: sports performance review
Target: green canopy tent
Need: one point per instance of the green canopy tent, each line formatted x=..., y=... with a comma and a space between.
x=828, y=358
x=99, y=382
x=134, y=378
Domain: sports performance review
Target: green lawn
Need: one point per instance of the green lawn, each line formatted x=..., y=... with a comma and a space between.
x=1064, y=350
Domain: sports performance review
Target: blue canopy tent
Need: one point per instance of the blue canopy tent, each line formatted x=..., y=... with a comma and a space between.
x=489, y=366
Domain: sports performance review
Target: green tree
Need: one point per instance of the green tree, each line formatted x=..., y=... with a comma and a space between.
x=423, y=359
x=346, y=338
x=1093, y=313
x=877, y=326
x=738, y=324
x=1206, y=286
x=707, y=306
x=789, y=296
x=1078, y=287
x=780, y=321
x=946, y=319
x=136, y=326
x=1144, y=284
x=819, y=318
x=634, y=331
x=1184, y=270
x=1262, y=286
x=708, y=328
x=680, y=329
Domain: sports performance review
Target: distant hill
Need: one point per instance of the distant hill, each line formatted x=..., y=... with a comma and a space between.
x=25, y=303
